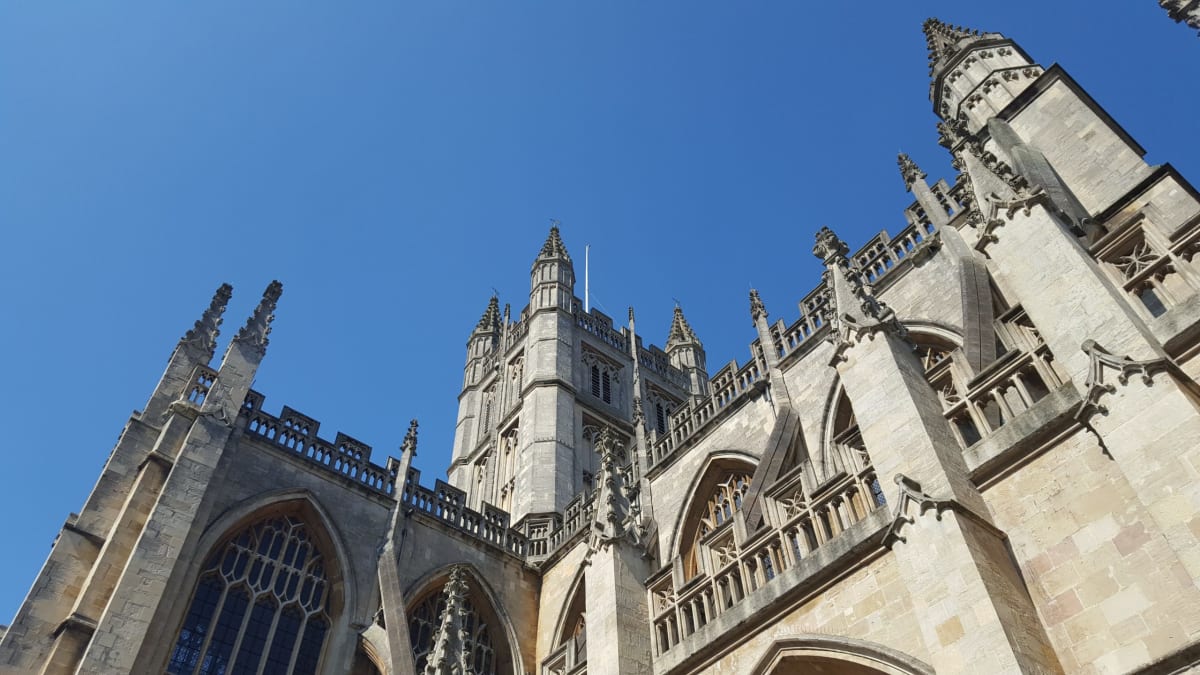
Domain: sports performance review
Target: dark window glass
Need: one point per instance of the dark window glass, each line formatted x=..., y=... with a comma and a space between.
x=255, y=638
x=195, y=627
x=595, y=381
x=285, y=638
x=310, y=648
x=216, y=659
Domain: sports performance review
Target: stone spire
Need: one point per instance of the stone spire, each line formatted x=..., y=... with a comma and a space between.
x=490, y=321
x=945, y=41
x=909, y=171
x=202, y=338
x=449, y=653
x=258, y=326
x=854, y=312
x=554, y=248
x=681, y=332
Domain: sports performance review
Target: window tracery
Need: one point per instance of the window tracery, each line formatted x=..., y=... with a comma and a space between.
x=261, y=602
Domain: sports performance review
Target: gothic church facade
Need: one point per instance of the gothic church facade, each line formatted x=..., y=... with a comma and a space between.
x=975, y=447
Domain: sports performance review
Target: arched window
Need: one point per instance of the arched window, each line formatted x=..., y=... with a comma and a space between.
x=261, y=602
x=717, y=497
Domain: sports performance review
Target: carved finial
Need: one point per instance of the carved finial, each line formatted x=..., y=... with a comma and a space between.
x=909, y=171
x=944, y=41
x=1183, y=11
x=203, y=335
x=258, y=326
x=681, y=332
x=855, y=312
x=490, y=321
x=757, y=308
x=554, y=248
x=829, y=246
x=448, y=654
x=951, y=132
x=409, y=444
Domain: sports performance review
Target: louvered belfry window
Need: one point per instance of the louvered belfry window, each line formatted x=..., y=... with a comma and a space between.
x=260, y=606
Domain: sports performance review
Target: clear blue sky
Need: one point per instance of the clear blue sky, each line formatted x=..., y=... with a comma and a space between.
x=392, y=162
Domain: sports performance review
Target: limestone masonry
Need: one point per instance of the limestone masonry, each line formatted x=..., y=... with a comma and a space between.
x=975, y=449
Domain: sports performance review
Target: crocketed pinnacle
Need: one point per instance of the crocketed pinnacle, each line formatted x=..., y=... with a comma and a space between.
x=909, y=171
x=203, y=335
x=490, y=321
x=554, y=248
x=409, y=444
x=757, y=308
x=258, y=326
x=681, y=332
x=448, y=651
x=944, y=41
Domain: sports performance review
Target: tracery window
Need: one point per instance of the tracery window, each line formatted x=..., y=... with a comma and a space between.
x=723, y=499
x=261, y=602
x=477, y=640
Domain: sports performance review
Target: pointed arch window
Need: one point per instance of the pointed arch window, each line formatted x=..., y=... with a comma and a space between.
x=722, y=494
x=261, y=603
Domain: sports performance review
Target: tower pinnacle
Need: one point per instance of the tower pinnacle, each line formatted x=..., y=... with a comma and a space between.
x=490, y=321
x=681, y=332
x=554, y=248
x=203, y=335
x=909, y=171
x=944, y=41
x=258, y=326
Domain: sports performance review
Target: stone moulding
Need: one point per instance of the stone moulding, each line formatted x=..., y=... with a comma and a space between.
x=1095, y=387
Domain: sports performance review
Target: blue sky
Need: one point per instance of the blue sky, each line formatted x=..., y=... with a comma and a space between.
x=393, y=162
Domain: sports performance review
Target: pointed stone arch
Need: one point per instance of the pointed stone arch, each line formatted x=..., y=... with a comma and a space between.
x=836, y=656
x=718, y=466
x=483, y=599
x=299, y=517
x=570, y=628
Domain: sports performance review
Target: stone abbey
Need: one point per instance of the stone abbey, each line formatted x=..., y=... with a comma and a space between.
x=974, y=448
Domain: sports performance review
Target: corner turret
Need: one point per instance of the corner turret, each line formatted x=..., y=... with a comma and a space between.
x=974, y=74
x=552, y=279
x=687, y=353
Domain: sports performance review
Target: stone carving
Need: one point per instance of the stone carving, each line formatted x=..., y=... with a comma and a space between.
x=490, y=321
x=1183, y=11
x=757, y=308
x=617, y=515
x=449, y=654
x=855, y=311
x=944, y=41
x=911, y=493
x=409, y=444
x=681, y=332
x=1102, y=360
x=258, y=326
x=203, y=336
x=554, y=247
x=909, y=171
